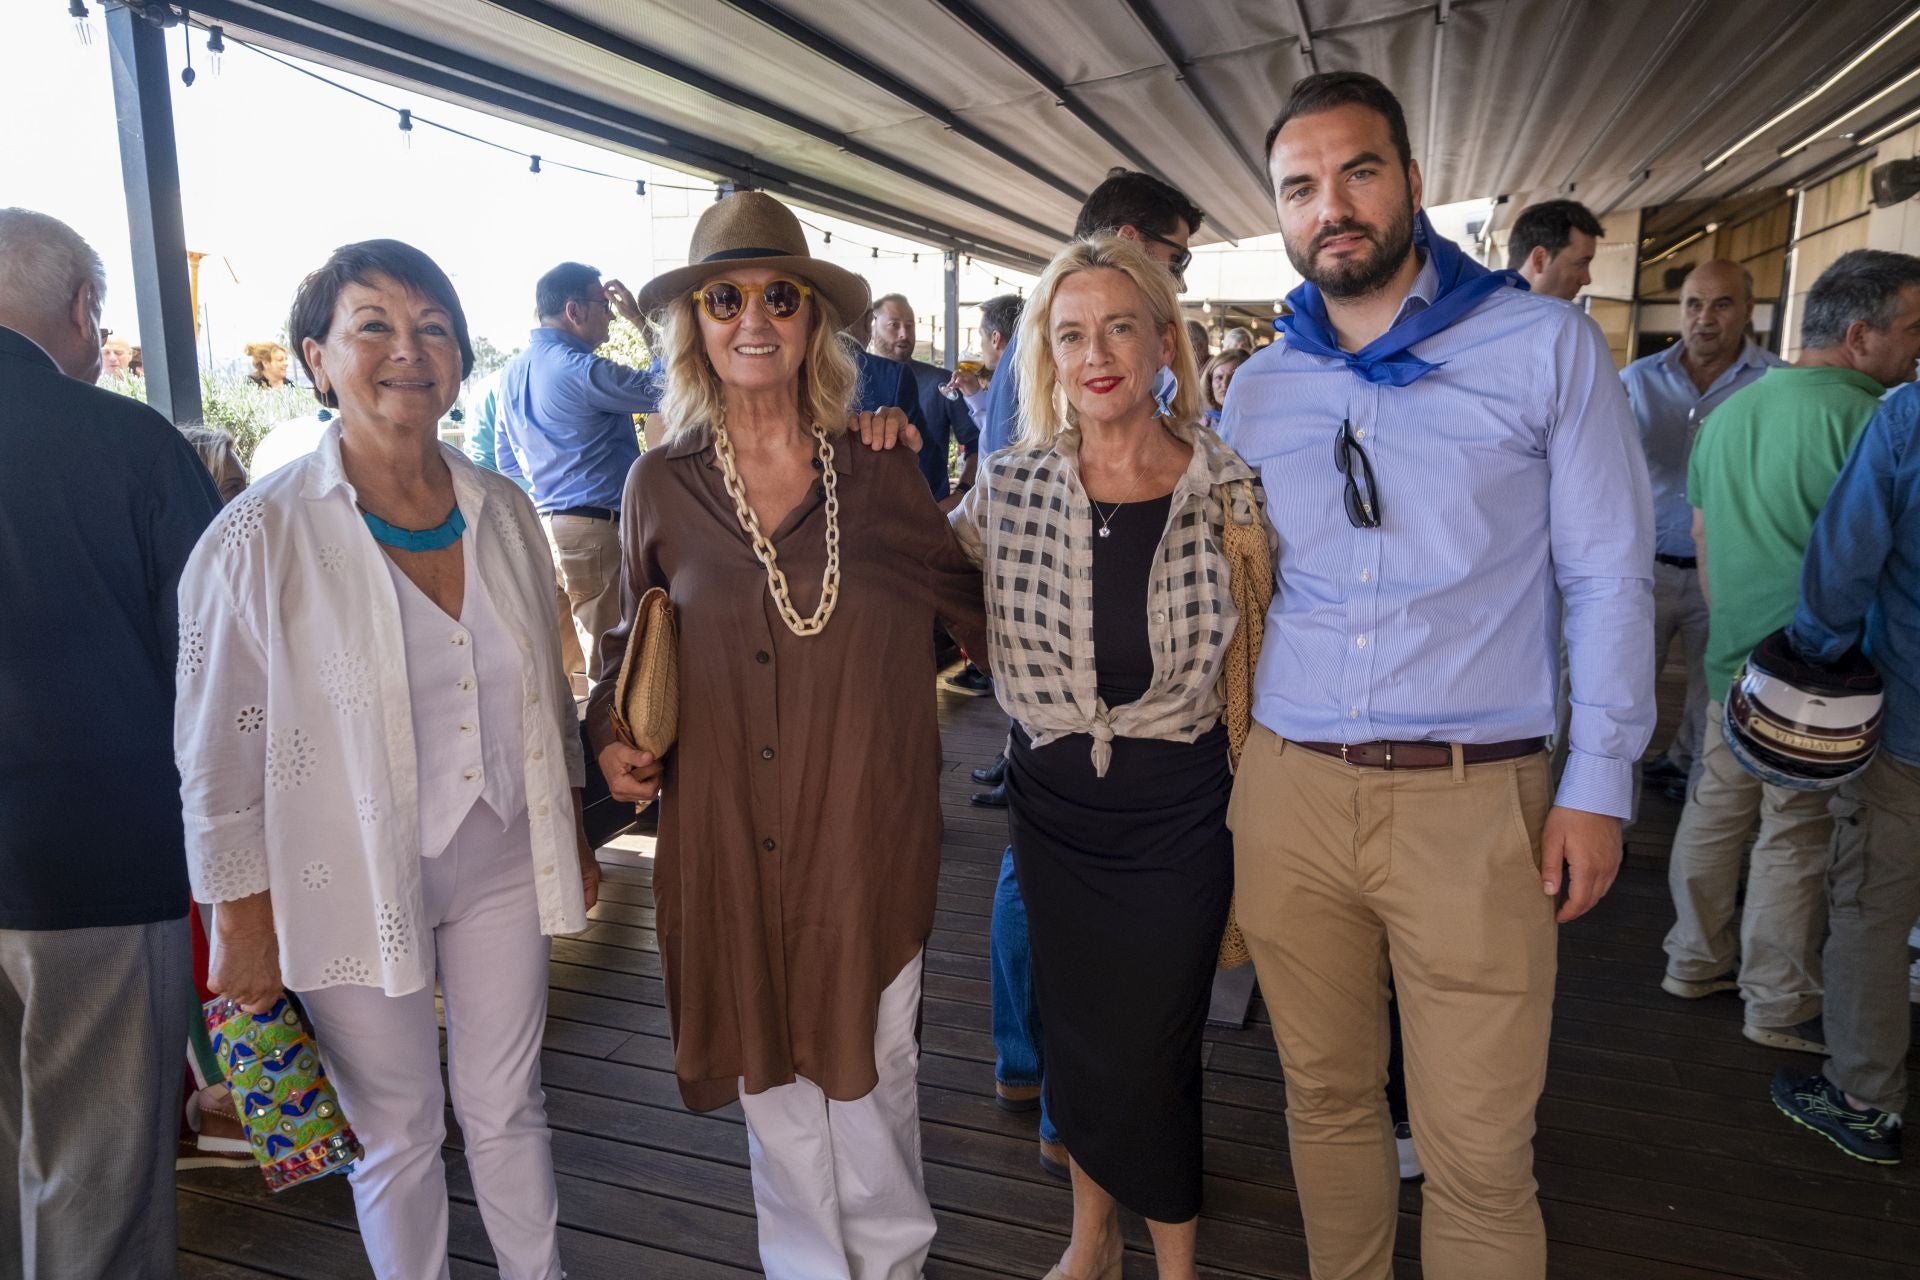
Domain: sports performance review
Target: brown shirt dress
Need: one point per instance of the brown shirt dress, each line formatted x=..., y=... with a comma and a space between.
x=799, y=843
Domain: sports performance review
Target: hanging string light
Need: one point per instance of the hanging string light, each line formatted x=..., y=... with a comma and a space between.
x=186, y=42
x=77, y=10
x=217, y=44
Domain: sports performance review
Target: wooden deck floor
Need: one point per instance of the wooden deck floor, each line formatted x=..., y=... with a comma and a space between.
x=1659, y=1154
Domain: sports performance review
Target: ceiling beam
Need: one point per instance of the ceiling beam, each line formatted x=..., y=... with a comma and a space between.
x=394, y=55
x=1629, y=96
x=1305, y=37
x=1562, y=25
x=559, y=20
x=1441, y=12
x=848, y=60
x=1007, y=47
x=1149, y=20
x=1854, y=154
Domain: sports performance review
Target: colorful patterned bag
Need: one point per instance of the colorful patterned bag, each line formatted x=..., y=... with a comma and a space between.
x=281, y=1093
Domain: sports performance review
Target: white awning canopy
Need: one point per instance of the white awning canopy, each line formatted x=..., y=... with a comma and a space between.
x=981, y=124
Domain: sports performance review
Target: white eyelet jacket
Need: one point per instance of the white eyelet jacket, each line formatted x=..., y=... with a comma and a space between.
x=293, y=728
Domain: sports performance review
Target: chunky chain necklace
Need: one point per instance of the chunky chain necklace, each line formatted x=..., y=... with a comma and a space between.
x=763, y=548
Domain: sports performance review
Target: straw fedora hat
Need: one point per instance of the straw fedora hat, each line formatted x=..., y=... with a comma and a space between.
x=752, y=229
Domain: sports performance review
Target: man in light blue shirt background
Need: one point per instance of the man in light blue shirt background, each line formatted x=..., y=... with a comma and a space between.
x=1672, y=392
x=1448, y=461
x=566, y=424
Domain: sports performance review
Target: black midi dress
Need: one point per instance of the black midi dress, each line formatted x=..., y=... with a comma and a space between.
x=1127, y=880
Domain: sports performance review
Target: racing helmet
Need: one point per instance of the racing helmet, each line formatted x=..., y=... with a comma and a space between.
x=1805, y=727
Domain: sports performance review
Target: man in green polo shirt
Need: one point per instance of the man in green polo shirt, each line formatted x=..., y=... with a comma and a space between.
x=1762, y=466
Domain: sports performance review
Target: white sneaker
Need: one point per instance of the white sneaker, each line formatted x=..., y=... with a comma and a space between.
x=1410, y=1169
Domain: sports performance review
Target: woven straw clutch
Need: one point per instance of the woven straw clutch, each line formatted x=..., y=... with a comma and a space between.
x=1250, y=568
x=646, y=697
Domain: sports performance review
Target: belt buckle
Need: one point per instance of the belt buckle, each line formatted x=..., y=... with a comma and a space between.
x=1343, y=754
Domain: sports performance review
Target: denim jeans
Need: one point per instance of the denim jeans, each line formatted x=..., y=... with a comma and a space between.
x=1016, y=1023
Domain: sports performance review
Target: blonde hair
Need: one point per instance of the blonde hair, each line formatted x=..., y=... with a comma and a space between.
x=1044, y=409
x=261, y=352
x=695, y=397
x=218, y=454
x=1232, y=355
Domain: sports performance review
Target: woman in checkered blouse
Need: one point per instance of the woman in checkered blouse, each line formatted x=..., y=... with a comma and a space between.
x=1109, y=614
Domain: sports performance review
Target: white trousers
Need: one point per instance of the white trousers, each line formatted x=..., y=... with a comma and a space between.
x=837, y=1186
x=383, y=1055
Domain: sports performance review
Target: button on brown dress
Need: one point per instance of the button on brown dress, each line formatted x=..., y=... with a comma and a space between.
x=799, y=843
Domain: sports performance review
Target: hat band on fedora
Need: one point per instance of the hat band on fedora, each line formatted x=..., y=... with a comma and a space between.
x=727, y=255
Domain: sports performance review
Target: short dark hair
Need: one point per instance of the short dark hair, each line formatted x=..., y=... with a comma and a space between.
x=568, y=282
x=1129, y=198
x=360, y=263
x=1863, y=285
x=1330, y=89
x=885, y=298
x=1000, y=315
x=1202, y=339
x=1549, y=225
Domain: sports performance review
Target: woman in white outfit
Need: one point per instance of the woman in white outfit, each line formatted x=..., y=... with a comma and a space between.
x=380, y=766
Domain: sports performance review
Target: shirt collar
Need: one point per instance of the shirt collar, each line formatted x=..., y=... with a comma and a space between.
x=1212, y=465
x=1837, y=373
x=1752, y=356
x=546, y=337
x=700, y=444
x=1420, y=296
x=326, y=472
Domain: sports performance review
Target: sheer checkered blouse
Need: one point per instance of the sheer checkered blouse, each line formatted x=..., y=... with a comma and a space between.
x=1029, y=525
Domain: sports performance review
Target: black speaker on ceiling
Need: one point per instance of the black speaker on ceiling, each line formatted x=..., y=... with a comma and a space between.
x=1896, y=182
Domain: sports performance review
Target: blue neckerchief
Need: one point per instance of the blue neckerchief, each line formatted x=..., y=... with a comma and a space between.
x=1388, y=360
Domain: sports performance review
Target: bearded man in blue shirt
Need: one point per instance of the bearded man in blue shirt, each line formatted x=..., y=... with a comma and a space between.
x=1447, y=459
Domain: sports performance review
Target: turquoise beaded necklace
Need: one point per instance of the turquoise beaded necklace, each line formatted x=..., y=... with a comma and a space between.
x=438, y=538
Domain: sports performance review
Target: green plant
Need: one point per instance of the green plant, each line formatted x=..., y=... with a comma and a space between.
x=244, y=409
x=626, y=345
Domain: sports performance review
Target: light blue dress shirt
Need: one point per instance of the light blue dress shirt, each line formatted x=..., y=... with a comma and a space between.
x=482, y=433
x=566, y=421
x=1509, y=480
x=1862, y=574
x=1669, y=410
x=1003, y=401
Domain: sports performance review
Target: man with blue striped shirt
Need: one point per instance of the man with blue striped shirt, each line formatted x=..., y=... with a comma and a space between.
x=565, y=423
x=1447, y=459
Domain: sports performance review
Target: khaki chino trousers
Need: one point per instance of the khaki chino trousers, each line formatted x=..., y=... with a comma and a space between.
x=586, y=560
x=1776, y=941
x=1344, y=875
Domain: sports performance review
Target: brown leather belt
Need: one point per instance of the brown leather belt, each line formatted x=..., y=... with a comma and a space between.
x=1423, y=755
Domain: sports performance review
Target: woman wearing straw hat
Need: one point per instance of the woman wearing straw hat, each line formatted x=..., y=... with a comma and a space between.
x=799, y=837
x=1106, y=522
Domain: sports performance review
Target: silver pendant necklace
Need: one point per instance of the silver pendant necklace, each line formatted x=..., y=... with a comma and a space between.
x=1106, y=517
